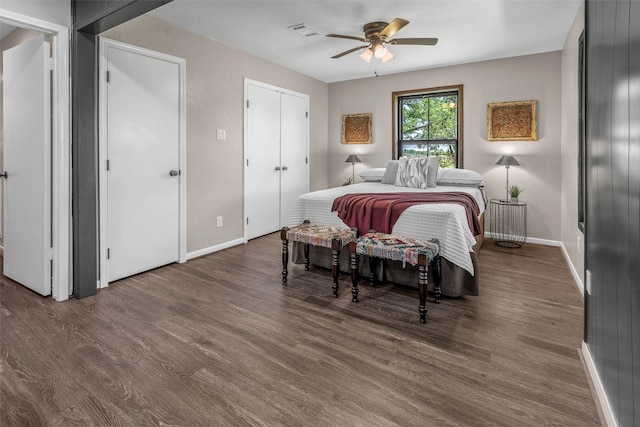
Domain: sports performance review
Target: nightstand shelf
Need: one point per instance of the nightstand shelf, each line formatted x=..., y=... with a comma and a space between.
x=508, y=222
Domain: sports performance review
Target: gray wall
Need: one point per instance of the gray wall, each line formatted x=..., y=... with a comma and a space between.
x=513, y=79
x=612, y=313
x=215, y=90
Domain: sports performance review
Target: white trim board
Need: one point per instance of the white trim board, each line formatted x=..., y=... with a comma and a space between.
x=61, y=280
x=601, y=395
x=215, y=248
x=102, y=151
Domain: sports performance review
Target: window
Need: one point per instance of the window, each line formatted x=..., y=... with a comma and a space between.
x=429, y=122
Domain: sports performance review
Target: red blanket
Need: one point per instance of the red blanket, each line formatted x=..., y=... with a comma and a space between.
x=380, y=211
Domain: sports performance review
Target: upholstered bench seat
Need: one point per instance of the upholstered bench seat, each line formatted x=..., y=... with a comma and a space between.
x=423, y=253
x=325, y=236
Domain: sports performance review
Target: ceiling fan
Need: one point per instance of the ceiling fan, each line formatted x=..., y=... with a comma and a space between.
x=376, y=35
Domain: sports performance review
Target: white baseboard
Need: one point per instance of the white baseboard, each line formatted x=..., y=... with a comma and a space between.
x=546, y=242
x=607, y=412
x=215, y=248
x=576, y=277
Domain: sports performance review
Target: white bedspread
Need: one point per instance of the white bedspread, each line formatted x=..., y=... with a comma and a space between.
x=444, y=221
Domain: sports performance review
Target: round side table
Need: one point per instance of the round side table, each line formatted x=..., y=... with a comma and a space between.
x=508, y=222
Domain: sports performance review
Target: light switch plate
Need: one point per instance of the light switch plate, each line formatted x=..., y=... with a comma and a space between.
x=221, y=134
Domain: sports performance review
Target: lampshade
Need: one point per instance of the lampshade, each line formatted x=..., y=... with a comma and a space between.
x=353, y=159
x=379, y=51
x=367, y=55
x=388, y=57
x=507, y=161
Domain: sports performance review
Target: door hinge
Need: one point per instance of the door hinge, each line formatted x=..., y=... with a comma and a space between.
x=108, y=253
x=247, y=220
x=247, y=162
x=108, y=77
x=108, y=164
x=306, y=114
x=247, y=103
x=51, y=63
x=306, y=160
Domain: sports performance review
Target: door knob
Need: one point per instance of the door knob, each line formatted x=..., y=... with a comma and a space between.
x=285, y=168
x=277, y=168
x=174, y=172
x=4, y=175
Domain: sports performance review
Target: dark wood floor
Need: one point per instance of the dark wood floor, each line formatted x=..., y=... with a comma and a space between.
x=219, y=341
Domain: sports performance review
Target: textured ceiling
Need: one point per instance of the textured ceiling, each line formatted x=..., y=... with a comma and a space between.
x=468, y=31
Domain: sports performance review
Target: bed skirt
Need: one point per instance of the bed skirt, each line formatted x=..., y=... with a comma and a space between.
x=456, y=281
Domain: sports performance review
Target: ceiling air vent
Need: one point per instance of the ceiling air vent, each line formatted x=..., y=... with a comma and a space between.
x=304, y=30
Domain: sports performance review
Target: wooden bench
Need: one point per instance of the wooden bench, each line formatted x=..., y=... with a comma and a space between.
x=423, y=253
x=334, y=238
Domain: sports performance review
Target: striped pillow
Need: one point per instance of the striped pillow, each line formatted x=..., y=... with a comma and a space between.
x=412, y=172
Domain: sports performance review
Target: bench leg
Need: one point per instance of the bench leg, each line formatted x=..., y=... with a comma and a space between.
x=285, y=253
x=436, y=268
x=423, y=284
x=306, y=257
x=335, y=265
x=354, y=271
x=373, y=266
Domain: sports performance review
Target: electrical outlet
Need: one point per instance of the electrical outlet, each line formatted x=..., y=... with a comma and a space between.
x=219, y=221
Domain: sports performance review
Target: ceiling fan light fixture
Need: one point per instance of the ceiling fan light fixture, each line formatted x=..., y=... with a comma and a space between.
x=367, y=55
x=380, y=51
x=388, y=57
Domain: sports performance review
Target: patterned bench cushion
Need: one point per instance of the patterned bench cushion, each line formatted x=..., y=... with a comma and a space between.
x=320, y=235
x=396, y=248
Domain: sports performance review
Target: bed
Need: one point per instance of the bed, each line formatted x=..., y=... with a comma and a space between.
x=444, y=221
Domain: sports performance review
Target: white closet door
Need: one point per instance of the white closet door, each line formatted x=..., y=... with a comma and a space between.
x=143, y=115
x=27, y=163
x=262, y=173
x=293, y=149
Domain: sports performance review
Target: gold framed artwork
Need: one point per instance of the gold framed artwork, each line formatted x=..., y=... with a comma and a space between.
x=356, y=128
x=511, y=121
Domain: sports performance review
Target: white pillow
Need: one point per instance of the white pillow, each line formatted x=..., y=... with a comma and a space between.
x=412, y=172
x=432, y=172
x=390, y=172
x=450, y=176
x=372, y=175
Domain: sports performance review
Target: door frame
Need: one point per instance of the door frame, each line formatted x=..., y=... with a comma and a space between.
x=61, y=281
x=104, y=43
x=248, y=82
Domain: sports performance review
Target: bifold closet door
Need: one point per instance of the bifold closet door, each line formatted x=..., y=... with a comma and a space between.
x=262, y=186
x=293, y=149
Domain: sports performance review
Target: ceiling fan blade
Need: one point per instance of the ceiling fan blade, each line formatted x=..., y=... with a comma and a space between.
x=420, y=41
x=340, y=36
x=346, y=52
x=393, y=27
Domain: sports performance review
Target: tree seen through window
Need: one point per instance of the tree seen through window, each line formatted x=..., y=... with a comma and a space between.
x=428, y=125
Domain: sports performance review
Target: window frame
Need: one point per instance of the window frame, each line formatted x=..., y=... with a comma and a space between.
x=397, y=128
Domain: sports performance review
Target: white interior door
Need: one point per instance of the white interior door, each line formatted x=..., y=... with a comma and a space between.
x=262, y=167
x=27, y=163
x=293, y=153
x=143, y=166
